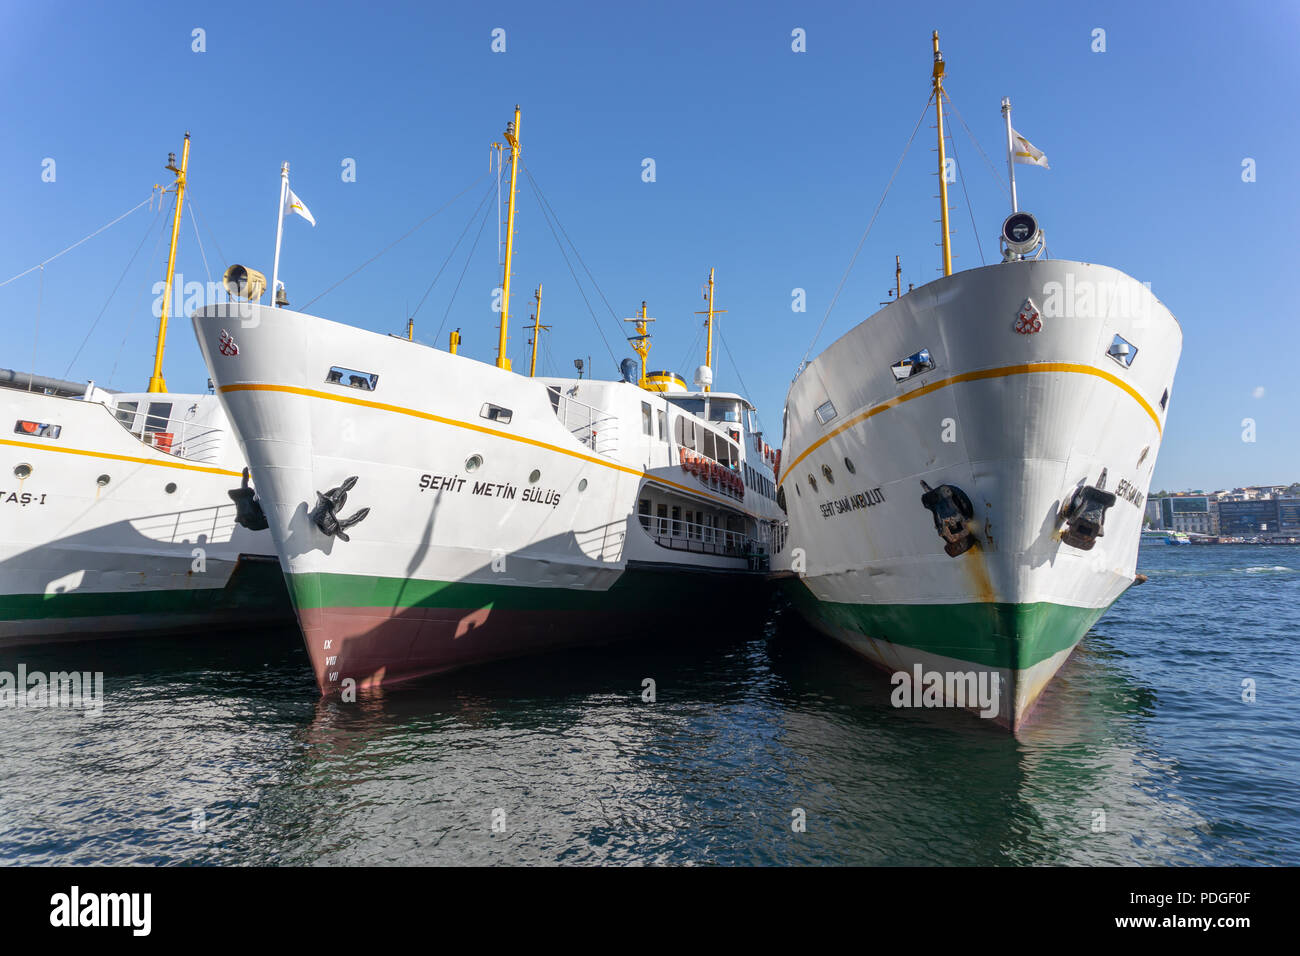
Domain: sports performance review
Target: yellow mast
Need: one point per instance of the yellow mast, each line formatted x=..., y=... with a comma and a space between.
x=943, y=181
x=156, y=382
x=512, y=137
x=641, y=341
x=537, y=329
x=708, y=347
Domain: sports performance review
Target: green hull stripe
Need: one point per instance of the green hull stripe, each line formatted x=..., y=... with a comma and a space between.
x=634, y=591
x=1014, y=636
x=254, y=587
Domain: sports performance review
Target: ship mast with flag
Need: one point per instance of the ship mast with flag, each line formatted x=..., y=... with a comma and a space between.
x=433, y=510
x=951, y=464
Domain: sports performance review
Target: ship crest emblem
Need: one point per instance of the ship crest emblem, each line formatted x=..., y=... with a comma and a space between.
x=1029, y=320
x=227, y=345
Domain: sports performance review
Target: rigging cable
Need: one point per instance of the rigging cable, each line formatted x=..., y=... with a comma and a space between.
x=969, y=208
x=201, y=252
x=468, y=259
x=745, y=388
x=612, y=314
x=989, y=163
x=189, y=191
x=856, y=251
x=41, y=265
x=464, y=232
x=136, y=307
x=396, y=241
x=91, y=331
x=537, y=194
x=686, y=360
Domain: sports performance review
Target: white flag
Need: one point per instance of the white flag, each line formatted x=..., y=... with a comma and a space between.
x=1026, y=152
x=293, y=204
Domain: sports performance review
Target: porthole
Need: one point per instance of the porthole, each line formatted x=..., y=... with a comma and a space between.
x=812, y=482
x=473, y=462
x=826, y=473
x=22, y=471
x=102, y=480
x=533, y=476
x=849, y=465
x=171, y=488
x=582, y=485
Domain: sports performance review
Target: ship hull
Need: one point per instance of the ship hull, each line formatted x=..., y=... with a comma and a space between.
x=1019, y=421
x=493, y=515
x=104, y=536
x=408, y=629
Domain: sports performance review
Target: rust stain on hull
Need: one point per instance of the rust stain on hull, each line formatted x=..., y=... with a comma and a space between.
x=977, y=572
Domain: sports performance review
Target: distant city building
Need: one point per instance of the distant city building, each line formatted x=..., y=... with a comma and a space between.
x=1186, y=513
x=1288, y=516
x=1255, y=511
x=1252, y=517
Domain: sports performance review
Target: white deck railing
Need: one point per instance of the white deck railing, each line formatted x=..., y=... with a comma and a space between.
x=184, y=439
x=594, y=427
x=677, y=534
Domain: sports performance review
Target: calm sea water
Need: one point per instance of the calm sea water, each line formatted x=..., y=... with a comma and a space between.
x=218, y=751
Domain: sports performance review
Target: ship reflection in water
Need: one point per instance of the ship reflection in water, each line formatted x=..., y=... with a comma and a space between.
x=1141, y=751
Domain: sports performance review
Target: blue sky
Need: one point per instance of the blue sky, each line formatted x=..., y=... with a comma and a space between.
x=768, y=165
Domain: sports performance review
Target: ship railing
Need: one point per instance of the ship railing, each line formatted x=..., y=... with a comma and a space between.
x=676, y=534
x=593, y=427
x=173, y=436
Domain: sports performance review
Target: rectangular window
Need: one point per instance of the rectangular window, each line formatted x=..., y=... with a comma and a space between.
x=338, y=375
x=495, y=413
x=645, y=419
x=677, y=521
x=662, y=515
x=710, y=445
x=1122, y=351
x=663, y=424
x=643, y=512
x=37, y=429
x=914, y=364
x=159, y=413
x=826, y=412
x=125, y=412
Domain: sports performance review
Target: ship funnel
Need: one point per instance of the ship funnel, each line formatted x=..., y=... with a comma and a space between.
x=244, y=283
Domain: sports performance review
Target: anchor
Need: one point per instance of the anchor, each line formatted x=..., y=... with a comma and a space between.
x=325, y=514
x=248, y=510
x=1085, y=514
x=951, y=509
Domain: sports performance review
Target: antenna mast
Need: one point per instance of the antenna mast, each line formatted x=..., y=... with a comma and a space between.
x=708, y=323
x=641, y=341
x=156, y=382
x=937, y=77
x=537, y=329
x=512, y=137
